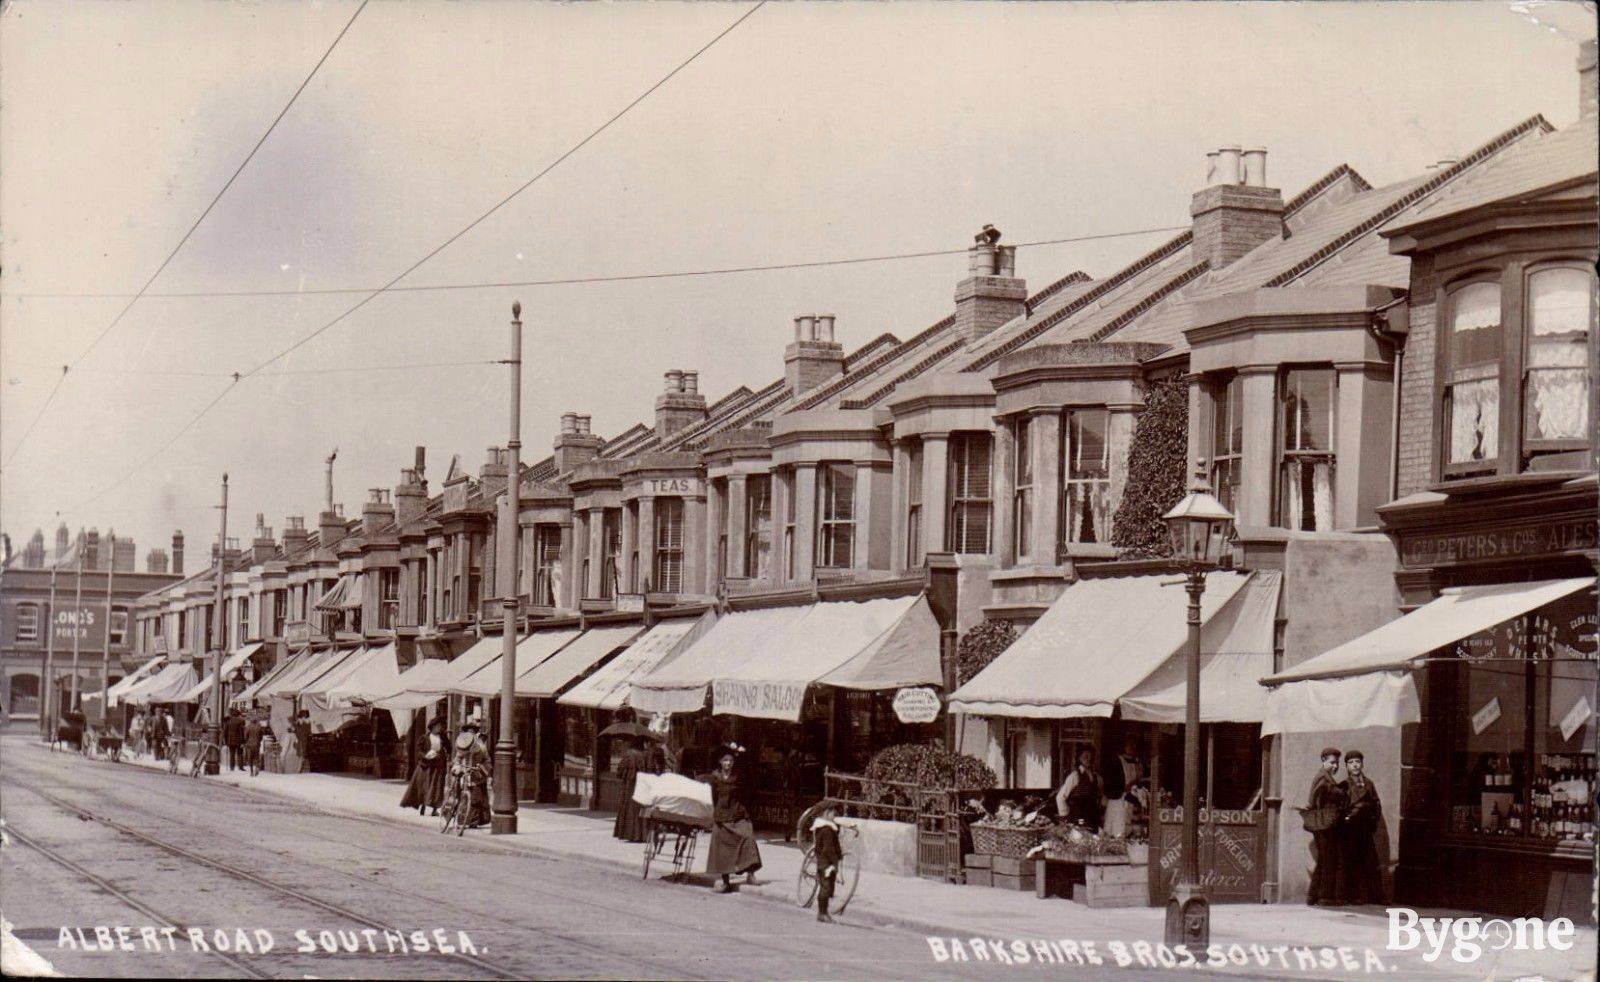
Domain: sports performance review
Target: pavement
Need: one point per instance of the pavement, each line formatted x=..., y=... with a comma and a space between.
x=948, y=911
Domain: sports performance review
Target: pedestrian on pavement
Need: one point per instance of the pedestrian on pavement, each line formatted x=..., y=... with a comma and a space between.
x=635, y=760
x=302, y=739
x=233, y=737
x=733, y=838
x=251, y=738
x=1082, y=796
x=159, y=731
x=426, y=789
x=825, y=847
x=169, y=727
x=471, y=770
x=1324, y=807
x=136, y=734
x=1361, y=879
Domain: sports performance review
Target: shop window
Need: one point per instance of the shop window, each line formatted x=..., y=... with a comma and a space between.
x=1022, y=497
x=836, y=515
x=669, y=545
x=1472, y=378
x=610, y=551
x=577, y=737
x=1014, y=747
x=914, y=556
x=789, y=487
x=1307, y=403
x=24, y=700
x=1227, y=440
x=720, y=490
x=634, y=575
x=119, y=625
x=1524, y=731
x=546, y=565
x=758, y=526
x=970, y=504
x=1086, y=477
x=27, y=622
x=1555, y=397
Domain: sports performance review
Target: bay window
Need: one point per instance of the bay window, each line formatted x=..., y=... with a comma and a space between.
x=1227, y=440
x=546, y=565
x=1022, y=497
x=914, y=555
x=970, y=504
x=1307, y=403
x=1085, y=477
x=388, y=598
x=719, y=488
x=610, y=533
x=789, y=487
x=758, y=526
x=1472, y=378
x=836, y=515
x=669, y=545
x=1555, y=398
x=634, y=574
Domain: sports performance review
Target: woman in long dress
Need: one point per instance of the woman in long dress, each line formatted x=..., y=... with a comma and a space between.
x=629, y=825
x=733, y=837
x=470, y=769
x=426, y=789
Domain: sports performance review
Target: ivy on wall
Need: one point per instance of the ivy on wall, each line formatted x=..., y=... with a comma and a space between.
x=1157, y=471
x=980, y=646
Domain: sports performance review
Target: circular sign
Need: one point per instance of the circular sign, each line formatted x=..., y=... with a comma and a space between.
x=916, y=705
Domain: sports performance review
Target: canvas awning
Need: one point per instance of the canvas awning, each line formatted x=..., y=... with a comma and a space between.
x=438, y=683
x=1097, y=642
x=1367, y=681
x=772, y=684
x=532, y=651
x=905, y=655
x=679, y=686
x=165, y=686
x=256, y=688
x=378, y=672
x=199, y=689
x=312, y=681
x=336, y=674
x=310, y=668
x=231, y=664
x=559, y=671
x=610, y=684
x=414, y=688
x=123, y=685
x=333, y=600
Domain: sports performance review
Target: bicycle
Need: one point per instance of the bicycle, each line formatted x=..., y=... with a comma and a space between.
x=846, y=878
x=459, y=805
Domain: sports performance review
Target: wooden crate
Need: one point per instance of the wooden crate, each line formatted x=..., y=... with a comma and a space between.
x=1012, y=865
x=1115, y=894
x=1007, y=882
x=977, y=860
x=1119, y=875
x=980, y=877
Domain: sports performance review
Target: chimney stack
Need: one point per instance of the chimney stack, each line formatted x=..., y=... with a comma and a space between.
x=177, y=553
x=295, y=536
x=377, y=512
x=63, y=540
x=91, y=550
x=492, y=475
x=330, y=527
x=814, y=356
x=1588, y=94
x=680, y=403
x=992, y=294
x=122, y=554
x=1235, y=211
x=155, y=561
x=263, y=547
x=575, y=444
x=410, y=495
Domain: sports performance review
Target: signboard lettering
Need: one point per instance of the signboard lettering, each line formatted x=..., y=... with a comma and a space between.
x=1485, y=717
x=1547, y=538
x=918, y=705
x=1576, y=717
x=1231, y=848
x=672, y=486
x=83, y=624
x=761, y=700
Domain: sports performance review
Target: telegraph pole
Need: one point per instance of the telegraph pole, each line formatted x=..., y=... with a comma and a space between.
x=503, y=820
x=220, y=636
x=105, y=655
x=77, y=629
x=47, y=693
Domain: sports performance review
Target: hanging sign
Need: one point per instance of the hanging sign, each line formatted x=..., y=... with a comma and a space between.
x=1485, y=717
x=1576, y=717
x=919, y=705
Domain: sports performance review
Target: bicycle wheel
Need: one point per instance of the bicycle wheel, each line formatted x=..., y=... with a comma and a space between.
x=464, y=810
x=805, y=882
x=846, y=881
x=649, y=852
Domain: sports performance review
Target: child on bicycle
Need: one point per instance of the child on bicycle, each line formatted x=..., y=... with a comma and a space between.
x=825, y=846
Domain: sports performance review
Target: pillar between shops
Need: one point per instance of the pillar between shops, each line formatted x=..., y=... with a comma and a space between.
x=1003, y=546
x=1259, y=385
x=782, y=489
x=805, y=520
x=1200, y=426
x=567, y=596
x=647, y=547
x=629, y=573
x=898, y=517
x=594, y=548
x=1361, y=450
x=738, y=506
x=1045, y=444
x=935, y=482
x=710, y=556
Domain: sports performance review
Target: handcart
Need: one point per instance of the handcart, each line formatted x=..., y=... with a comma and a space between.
x=672, y=838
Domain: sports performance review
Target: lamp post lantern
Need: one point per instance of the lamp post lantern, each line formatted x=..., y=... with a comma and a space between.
x=503, y=818
x=1200, y=528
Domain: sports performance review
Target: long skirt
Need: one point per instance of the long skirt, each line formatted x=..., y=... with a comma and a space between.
x=480, y=805
x=733, y=849
x=426, y=789
x=629, y=825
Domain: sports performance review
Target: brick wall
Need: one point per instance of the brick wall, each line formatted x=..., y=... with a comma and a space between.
x=1230, y=220
x=984, y=303
x=1416, y=401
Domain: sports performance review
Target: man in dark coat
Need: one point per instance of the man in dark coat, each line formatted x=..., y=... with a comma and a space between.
x=1326, y=793
x=252, y=739
x=825, y=847
x=159, y=732
x=1361, y=880
x=233, y=737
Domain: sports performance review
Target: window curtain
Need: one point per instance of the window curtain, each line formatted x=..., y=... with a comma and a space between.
x=1474, y=420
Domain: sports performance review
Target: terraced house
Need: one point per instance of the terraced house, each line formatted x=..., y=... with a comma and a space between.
x=1354, y=367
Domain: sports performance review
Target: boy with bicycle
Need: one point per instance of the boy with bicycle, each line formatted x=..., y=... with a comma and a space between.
x=825, y=846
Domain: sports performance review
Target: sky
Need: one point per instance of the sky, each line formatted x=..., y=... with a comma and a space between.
x=812, y=131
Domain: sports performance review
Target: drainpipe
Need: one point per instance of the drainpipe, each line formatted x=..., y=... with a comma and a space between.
x=1391, y=330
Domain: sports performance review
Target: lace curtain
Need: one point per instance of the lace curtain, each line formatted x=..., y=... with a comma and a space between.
x=1558, y=392
x=1474, y=420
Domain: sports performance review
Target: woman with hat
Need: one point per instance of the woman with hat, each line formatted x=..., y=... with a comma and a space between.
x=634, y=760
x=733, y=837
x=470, y=770
x=426, y=789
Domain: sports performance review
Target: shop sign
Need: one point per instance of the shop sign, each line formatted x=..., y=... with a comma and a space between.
x=687, y=486
x=919, y=705
x=630, y=603
x=761, y=700
x=1547, y=538
x=82, y=624
x=1576, y=717
x=1485, y=716
x=1231, y=852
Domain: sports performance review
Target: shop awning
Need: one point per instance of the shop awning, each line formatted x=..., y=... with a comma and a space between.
x=679, y=686
x=610, y=684
x=906, y=654
x=436, y=684
x=1096, y=643
x=123, y=685
x=532, y=651
x=1367, y=681
x=230, y=665
x=199, y=689
x=378, y=673
x=239, y=658
x=313, y=680
x=260, y=686
x=165, y=686
x=772, y=684
x=333, y=600
x=337, y=674
x=559, y=671
x=310, y=668
x=417, y=686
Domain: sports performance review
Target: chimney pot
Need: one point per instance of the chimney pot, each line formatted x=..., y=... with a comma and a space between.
x=674, y=381
x=583, y=424
x=1213, y=168
x=825, y=327
x=691, y=381
x=1255, y=167
x=1228, y=165
x=569, y=422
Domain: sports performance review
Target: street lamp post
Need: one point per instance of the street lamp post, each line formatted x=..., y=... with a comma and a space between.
x=213, y=732
x=1200, y=528
x=503, y=817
